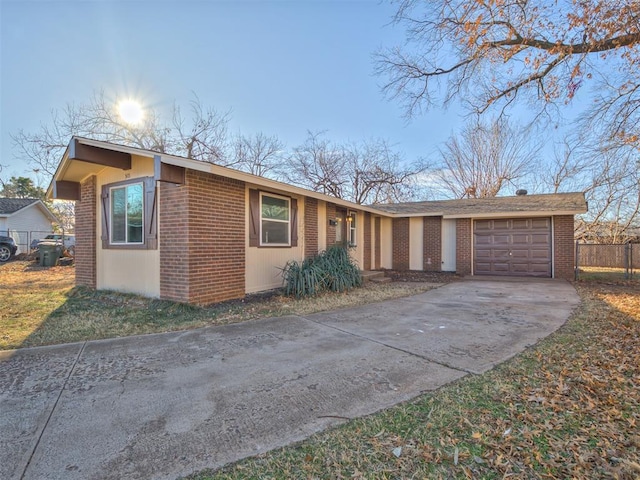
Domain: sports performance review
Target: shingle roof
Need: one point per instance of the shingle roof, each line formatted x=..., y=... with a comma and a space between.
x=556, y=202
x=12, y=205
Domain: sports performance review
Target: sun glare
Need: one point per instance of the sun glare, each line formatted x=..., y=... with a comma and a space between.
x=130, y=111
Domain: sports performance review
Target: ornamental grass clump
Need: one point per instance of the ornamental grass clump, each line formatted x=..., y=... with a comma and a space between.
x=332, y=270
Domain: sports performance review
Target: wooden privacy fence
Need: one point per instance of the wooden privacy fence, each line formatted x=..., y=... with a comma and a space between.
x=625, y=256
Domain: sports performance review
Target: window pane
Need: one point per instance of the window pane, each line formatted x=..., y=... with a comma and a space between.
x=275, y=208
x=118, y=215
x=275, y=232
x=134, y=213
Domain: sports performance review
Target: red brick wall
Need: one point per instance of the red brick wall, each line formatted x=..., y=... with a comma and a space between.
x=400, y=252
x=331, y=230
x=463, y=246
x=366, y=264
x=563, y=247
x=432, y=244
x=202, y=239
x=310, y=227
x=85, y=256
x=378, y=248
x=173, y=234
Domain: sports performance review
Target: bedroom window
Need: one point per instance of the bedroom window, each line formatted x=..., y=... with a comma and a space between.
x=129, y=214
x=272, y=220
x=127, y=218
x=275, y=216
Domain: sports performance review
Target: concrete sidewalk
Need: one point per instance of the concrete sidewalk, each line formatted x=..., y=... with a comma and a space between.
x=166, y=405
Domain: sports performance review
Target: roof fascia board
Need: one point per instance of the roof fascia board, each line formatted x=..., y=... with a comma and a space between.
x=518, y=214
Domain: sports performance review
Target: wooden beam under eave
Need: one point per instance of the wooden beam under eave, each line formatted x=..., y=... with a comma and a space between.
x=99, y=156
x=65, y=190
x=164, y=172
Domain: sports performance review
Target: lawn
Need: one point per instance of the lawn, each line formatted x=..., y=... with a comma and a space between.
x=567, y=408
x=40, y=306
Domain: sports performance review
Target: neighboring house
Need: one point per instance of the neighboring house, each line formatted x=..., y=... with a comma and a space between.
x=25, y=219
x=191, y=231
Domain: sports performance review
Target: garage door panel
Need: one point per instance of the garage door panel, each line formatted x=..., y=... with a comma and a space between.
x=501, y=225
x=520, y=246
x=541, y=224
x=521, y=239
x=521, y=224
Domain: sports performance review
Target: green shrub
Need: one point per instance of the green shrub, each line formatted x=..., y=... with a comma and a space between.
x=332, y=270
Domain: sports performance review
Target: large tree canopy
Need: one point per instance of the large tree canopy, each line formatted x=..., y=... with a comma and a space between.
x=493, y=52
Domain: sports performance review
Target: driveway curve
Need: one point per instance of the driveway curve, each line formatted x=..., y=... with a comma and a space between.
x=166, y=405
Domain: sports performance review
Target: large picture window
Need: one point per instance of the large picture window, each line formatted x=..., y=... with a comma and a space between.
x=275, y=216
x=127, y=216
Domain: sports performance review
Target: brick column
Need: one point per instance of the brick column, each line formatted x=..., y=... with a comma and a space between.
x=432, y=244
x=85, y=231
x=310, y=227
x=366, y=264
x=463, y=246
x=400, y=252
x=202, y=239
x=173, y=233
x=563, y=247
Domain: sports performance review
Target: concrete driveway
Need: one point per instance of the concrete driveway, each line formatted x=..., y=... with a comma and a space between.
x=166, y=405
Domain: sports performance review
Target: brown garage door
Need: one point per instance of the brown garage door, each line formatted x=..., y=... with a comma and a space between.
x=516, y=247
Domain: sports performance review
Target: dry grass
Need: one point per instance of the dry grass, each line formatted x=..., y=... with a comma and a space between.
x=567, y=408
x=40, y=306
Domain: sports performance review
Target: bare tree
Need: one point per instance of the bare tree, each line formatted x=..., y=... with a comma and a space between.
x=495, y=53
x=365, y=173
x=258, y=154
x=484, y=159
x=203, y=136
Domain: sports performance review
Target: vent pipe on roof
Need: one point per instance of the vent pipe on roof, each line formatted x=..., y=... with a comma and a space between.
x=521, y=192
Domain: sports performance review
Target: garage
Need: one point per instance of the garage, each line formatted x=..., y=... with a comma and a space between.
x=512, y=247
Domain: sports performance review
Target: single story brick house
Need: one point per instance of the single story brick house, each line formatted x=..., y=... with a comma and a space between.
x=190, y=231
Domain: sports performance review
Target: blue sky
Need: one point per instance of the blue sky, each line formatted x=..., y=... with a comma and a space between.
x=281, y=67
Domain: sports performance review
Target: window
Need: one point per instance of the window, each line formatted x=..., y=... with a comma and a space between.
x=274, y=220
x=128, y=214
x=351, y=226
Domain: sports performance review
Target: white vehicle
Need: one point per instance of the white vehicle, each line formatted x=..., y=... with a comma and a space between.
x=67, y=241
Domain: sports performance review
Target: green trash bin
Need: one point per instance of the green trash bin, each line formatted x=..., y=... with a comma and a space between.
x=48, y=254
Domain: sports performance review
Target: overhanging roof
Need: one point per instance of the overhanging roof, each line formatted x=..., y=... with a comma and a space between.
x=84, y=157
x=533, y=205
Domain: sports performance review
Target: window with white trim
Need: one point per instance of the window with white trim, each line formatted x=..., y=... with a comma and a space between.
x=275, y=220
x=126, y=212
x=351, y=229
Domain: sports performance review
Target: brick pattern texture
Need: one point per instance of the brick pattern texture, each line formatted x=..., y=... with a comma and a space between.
x=331, y=230
x=310, y=227
x=366, y=264
x=463, y=246
x=400, y=247
x=432, y=244
x=563, y=247
x=85, y=257
x=202, y=227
